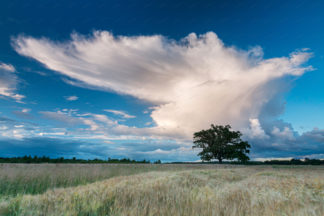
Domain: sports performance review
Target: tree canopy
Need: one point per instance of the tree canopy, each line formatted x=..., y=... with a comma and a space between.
x=220, y=142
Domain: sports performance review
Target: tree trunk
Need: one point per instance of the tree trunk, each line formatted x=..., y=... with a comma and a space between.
x=220, y=160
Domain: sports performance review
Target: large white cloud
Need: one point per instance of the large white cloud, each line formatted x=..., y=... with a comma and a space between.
x=8, y=82
x=192, y=82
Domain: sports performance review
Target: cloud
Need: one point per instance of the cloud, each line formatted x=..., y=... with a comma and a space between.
x=7, y=67
x=90, y=142
x=54, y=147
x=316, y=134
x=284, y=142
x=43, y=146
x=286, y=133
x=13, y=129
x=190, y=83
x=23, y=113
x=71, y=98
x=255, y=131
x=8, y=82
x=60, y=117
x=25, y=110
x=101, y=136
x=120, y=113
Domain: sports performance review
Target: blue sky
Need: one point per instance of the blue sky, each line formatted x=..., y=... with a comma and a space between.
x=137, y=78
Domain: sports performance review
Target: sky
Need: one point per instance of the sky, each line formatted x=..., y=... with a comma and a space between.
x=136, y=79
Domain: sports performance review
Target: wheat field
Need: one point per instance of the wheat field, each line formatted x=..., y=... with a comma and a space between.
x=166, y=190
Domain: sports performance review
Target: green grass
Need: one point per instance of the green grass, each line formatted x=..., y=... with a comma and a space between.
x=37, y=178
x=162, y=190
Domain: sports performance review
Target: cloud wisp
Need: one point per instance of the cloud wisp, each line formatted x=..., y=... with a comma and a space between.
x=8, y=82
x=123, y=114
x=71, y=98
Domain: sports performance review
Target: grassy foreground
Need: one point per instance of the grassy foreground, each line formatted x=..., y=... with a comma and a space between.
x=37, y=178
x=183, y=190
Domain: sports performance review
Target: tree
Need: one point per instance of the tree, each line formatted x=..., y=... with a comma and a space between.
x=219, y=142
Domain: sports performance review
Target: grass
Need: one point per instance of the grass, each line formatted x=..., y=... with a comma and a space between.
x=18, y=179
x=164, y=190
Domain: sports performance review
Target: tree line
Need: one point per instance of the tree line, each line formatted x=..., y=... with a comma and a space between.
x=293, y=161
x=45, y=159
x=306, y=161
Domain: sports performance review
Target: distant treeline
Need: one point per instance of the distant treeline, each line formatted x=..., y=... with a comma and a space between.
x=305, y=161
x=44, y=159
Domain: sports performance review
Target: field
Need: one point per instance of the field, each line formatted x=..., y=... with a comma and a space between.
x=160, y=189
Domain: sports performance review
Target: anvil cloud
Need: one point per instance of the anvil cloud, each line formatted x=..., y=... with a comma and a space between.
x=191, y=83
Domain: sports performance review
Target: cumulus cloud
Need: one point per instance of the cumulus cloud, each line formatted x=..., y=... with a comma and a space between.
x=192, y=82
x=8, y=82
x=255, y=131
x=120, y=113
x=71, y=98
x=286, y=133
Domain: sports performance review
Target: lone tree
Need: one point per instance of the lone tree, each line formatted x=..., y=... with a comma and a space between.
x=219, y=142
